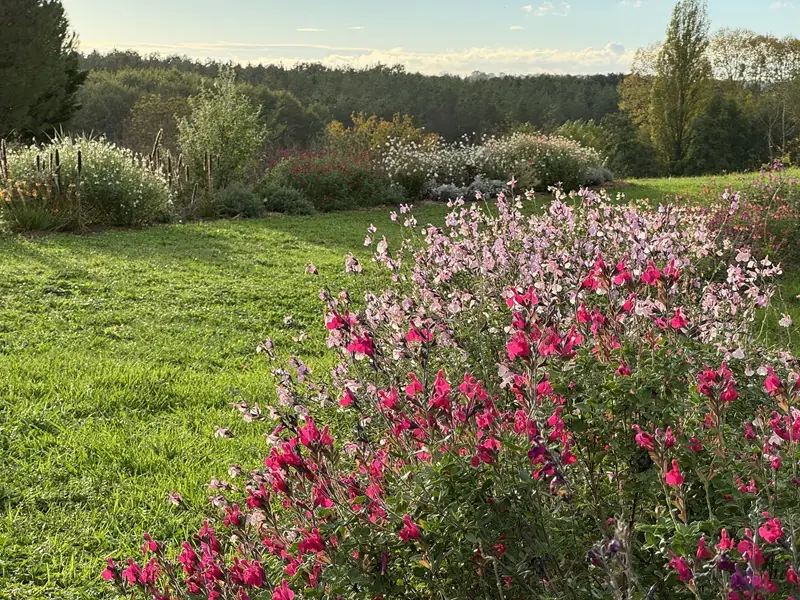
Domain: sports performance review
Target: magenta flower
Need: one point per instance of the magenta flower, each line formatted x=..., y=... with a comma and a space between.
x=518, y=346
x=652, y=275
x=771, y=531
x=772, y=384
x=703, y=553
x=410, y=530
x=678, y=320
x=674, y=477
x=283, y=592
x=682, y=567
x=623, y=370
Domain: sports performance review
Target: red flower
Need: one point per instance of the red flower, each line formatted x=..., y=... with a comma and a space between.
x=703, y=553
x=410, y=530
x=312, y=542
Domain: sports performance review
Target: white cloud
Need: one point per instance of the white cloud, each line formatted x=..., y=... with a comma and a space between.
x=547, y=9
x=516, y=28
x=309, y=29
x=780, y=5
x=356, y=28
x=613, y=57
x=631, y=3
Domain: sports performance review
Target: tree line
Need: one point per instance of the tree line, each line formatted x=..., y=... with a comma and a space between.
x=696, y=103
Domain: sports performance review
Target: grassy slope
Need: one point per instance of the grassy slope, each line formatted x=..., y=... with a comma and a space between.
x=120, y=353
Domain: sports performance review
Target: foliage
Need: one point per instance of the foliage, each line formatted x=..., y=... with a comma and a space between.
x=238, y=200
x=374, y=136
x=288, y=200
x=38, y=68
x=329, y=180
x=221, y=137
x=586, y=133
x=151, y=117
x=527, y=419
x=96, y=182
x=449, y=105
x=680, y=87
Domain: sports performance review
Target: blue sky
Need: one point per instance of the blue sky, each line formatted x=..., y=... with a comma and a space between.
x=430, y=36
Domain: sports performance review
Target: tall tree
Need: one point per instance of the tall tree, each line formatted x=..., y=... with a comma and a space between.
x=38, y=67
x=681, y=87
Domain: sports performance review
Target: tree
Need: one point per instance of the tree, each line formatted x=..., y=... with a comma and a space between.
x=223, y=133
x=680, y=90
x=38, y=68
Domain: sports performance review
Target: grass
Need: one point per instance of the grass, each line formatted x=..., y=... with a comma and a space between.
x=120, y=354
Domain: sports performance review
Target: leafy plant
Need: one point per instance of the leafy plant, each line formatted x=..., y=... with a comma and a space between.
x=114, y=185
x=286, y=200
x=222, y=135
x=238, y=200
x=565, y=405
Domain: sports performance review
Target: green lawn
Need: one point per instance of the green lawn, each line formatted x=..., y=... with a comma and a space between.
x=120, y=353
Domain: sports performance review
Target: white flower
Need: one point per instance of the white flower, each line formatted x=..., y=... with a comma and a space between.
x=786, y=321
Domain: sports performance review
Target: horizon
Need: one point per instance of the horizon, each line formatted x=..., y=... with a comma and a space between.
x=517, y=38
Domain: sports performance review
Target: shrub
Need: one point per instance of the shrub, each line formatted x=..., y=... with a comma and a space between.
x=286, y=200
x=238, y=200
x=536, y=161
x=542, y=161
x=221, y=137
x=330, y=181
x=373, y=135
x=568, y=405
x=111, y=185
x=767, y=216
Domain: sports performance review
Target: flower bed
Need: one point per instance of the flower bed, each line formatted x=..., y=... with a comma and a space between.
x=568, y=405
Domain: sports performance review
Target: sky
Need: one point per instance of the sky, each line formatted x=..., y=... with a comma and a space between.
x=427, y=36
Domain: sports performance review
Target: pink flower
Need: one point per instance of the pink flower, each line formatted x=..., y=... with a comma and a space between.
x=362, y=345
x=518, y=346
x=309, y=434
x=651, y=274
x=791, y=576
x=312, y=542
x=725, y=542
x=623, y=370
x=703, y=553
x=283, y=592
x=110, y=572
x=682, y=567
x=347, y=399
x=644, y=439
x=678, y=320
x=674, y=477
x=772, y=384
x=410, y=530
x=771, y=531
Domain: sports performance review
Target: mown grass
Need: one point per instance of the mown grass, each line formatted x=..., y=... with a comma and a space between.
x=120, y=354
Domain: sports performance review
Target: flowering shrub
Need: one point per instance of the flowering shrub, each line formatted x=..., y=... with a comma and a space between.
x=329, y=180
x=767, y=215
x=537, y=161
x=567, y=405
x=113, y=185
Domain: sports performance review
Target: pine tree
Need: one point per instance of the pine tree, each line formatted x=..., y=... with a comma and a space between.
x=39, y=73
